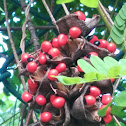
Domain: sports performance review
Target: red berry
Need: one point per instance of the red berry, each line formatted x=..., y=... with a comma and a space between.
x=81, y=15
x=55, y=43
x=46, y=46
x=26, y=97
x=45, y=116
x=103, y=43
x=106, y=98
x=107, y=111
x=42, y=58
x=94, y=91
x=90, y=100
x=74, y=32
x=32, y=84
x=111, y=47
x=92, y=38
x=62, y=38
x=40, y=99
x=61, y=67
x=31, y=67
x=107, y=119
x=58, y=102
x=52, y=97
x=79, y=69
x=92, y=54
x=112, y=80
x=54, y=52
x=24, y=57
x=52, y=72
x=32, y=90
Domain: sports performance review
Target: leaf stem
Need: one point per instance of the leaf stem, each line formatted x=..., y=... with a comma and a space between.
x=116, y=120
x=105, y=16
x=65, y=9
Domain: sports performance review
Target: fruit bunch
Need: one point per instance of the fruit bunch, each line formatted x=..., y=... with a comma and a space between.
x=68, y=105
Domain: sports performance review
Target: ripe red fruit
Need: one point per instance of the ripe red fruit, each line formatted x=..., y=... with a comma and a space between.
x=26, y=97
x=61, y=67
x=40, y=99
x=31, y=67
x=94, y=91
x=107, y=111
x=74, y=32
x=79, y=69
x=45, y=117
x=103, y=43
x=107, y=119
x=52, y=72
x=92, y=38
x=92, y=54
x=32, y=84
x=46, y=46
x=90, y=100
x=42, y=58
x=81, y=15
x=54, y=52
x=24, y=57
x=52, y=97
x=58, y=102
x=111, y=47
x=32, y=90
x=62, y=38
x=55, y=43
x=112, y=80
x=106, y=98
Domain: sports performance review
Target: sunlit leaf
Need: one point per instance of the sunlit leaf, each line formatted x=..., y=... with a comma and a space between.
x=116, y=110
x=85, y=66
x=90, y=3
x=90, y=76
x=63, y=1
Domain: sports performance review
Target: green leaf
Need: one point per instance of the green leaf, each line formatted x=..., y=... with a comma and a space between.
x=115, y=110
x=90, y=3
x=85, y=66
x=114, y=71
x=99, y=64
x=70, y=80
x=119, y=20
x=1, y=9
x=110, y=62
x=123, y=65
x=90, y=76
x=119, y=99
x=101, y=112
x=63, y=1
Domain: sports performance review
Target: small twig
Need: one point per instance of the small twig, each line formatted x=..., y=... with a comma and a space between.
x=65, y=9
x=13, y=46
x=116, y=120
x=22, y=44
x=50, y=14
x=116, y=84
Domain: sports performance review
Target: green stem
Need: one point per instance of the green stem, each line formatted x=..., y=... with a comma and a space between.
x=105, y=16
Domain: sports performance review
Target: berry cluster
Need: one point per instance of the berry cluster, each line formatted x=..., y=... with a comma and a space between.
x=56, y=57
x=102, y=43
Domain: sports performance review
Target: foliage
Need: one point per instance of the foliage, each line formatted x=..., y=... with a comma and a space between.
x=89, y=3
x=118, y=32
x=99, y=70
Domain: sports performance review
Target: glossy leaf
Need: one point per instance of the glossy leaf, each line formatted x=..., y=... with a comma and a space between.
x=90, y=3
x=115, y=110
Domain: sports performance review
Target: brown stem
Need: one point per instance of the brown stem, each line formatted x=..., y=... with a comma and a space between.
x=36, y=27
x=31, y=28
x=13, y=46
x=65, y=9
